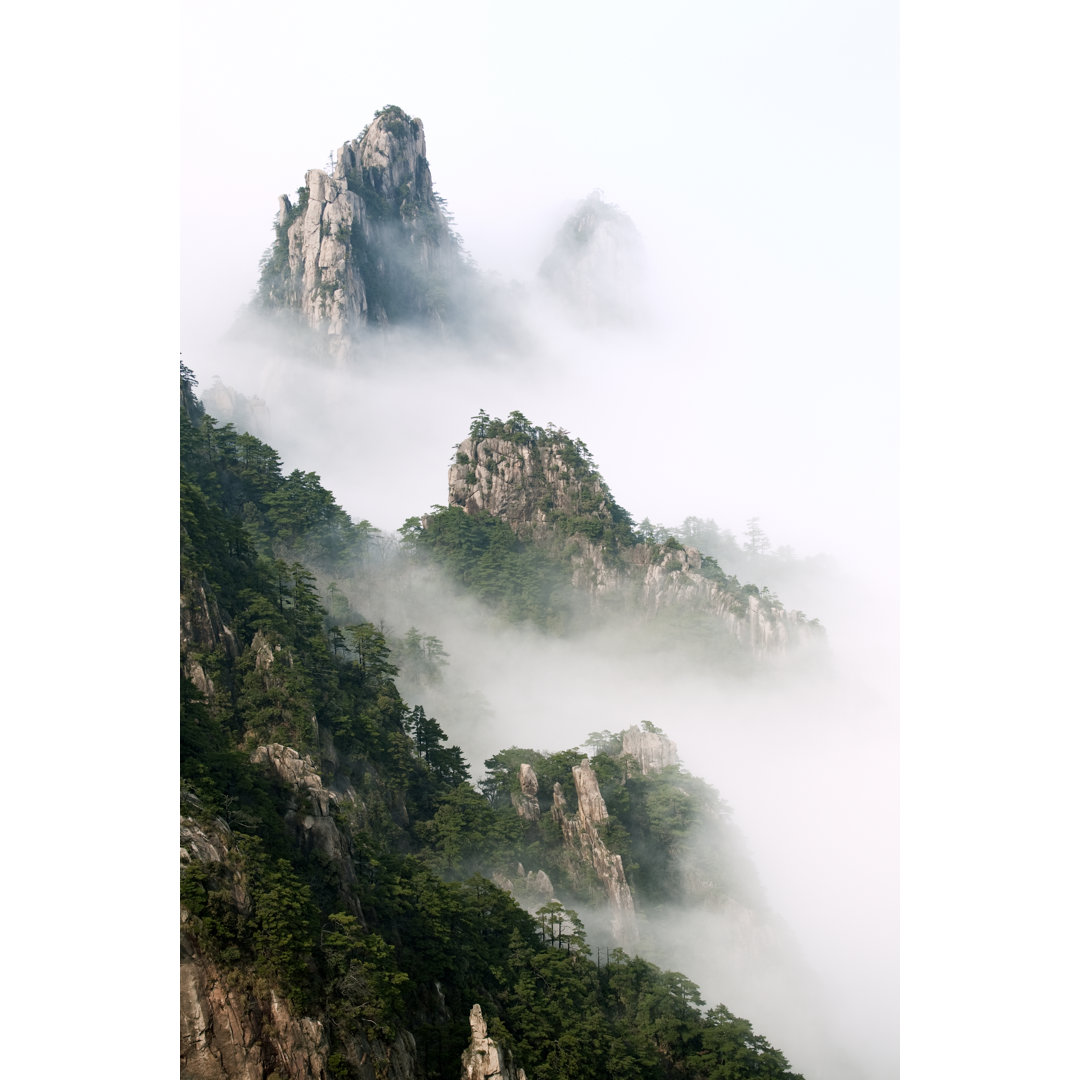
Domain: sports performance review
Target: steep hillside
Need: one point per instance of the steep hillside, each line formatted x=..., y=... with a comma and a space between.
x=573, y=541
x=335, y=917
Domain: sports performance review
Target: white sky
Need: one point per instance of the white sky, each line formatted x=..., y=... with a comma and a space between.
x=990, y=231
x=755, y=147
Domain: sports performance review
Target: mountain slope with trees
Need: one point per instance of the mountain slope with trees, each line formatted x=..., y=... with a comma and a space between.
x=329, y=925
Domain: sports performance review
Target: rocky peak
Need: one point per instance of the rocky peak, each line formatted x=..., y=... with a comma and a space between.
x=652, y=750
x=526, y=803
x=367, y=243
x=584, y=842
x=545, y=486
x=485, y=1059
x=597, y=266
x=309, y=813
x=591, y=805
x=390, y=157
x=539, y=480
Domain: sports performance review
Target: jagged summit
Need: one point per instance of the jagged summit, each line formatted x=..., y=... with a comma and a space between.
x=541, y=481
x=368, y=244
x=544, y=486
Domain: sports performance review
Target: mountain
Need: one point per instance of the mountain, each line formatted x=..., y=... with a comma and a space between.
x=369, y=244
x=358, y=898
x=575, y=556
x=347, y=894
x=597, y=266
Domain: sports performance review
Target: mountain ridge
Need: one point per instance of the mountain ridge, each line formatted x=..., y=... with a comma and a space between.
x=316, y=937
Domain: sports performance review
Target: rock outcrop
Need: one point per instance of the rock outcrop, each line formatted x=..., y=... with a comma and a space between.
x=309, y=814
x=525, y=801
x=236, y=1029
x=586, y=846
x=226, y=1035
x=201, y=630
x=652, y=750
x=367, y=243
x=230, y=406
x=485, y=1059
x=544, y=485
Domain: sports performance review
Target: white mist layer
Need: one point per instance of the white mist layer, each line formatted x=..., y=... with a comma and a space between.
x=757, y=158
x=808, y=762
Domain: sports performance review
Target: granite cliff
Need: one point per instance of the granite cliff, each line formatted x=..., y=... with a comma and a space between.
x=367, y=243
x=545, y=486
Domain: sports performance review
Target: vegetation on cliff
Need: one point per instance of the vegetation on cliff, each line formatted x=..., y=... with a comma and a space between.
x=389, y=931
x=534, y=532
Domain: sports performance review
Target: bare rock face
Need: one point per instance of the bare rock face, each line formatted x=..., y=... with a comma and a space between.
x=543, y=485
x=224, y=1032
x=229, y=1030
x=526, y=803
x=584, y=842
x=310, y=814
x=201, y=628
x=591, y=806
x=652, y=750
x=484, y=1059
x=229, y=406
x=367, y=243
x=227, y=1033
x=530, y=485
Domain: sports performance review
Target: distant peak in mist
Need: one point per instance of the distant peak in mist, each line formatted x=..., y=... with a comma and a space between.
x=367, y=244
x=596, y=267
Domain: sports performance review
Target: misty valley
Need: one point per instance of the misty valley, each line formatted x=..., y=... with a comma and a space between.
x=461, y=792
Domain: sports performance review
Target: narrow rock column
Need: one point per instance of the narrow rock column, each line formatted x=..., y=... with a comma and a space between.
x=484, y=1059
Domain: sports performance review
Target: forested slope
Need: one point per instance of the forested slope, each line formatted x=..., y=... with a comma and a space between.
x=334, y=920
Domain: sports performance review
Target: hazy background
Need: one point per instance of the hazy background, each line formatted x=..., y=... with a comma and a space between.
x=755, y=148
x=990, y=225
x=756, y=151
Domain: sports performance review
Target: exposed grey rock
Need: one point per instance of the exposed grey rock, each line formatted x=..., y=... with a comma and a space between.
x=263, y=650
x=591, y=804
x=201, y=629
x=584, y=842
x=231, y=407
x=230, y=1030
x=526, y=803
x=368, y=244
x=531, y=890
x=652, y=750
x=536, y=485
x=485, y=1059
x=310, y=813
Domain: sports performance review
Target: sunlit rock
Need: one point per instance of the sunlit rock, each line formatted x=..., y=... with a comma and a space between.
x=526, y=802
x=652, y=750
x=586, y=845
x=485, y=1059
x=367, y=243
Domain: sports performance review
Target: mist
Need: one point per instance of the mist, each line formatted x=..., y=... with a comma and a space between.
x=806, y=754
x=757, y=377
